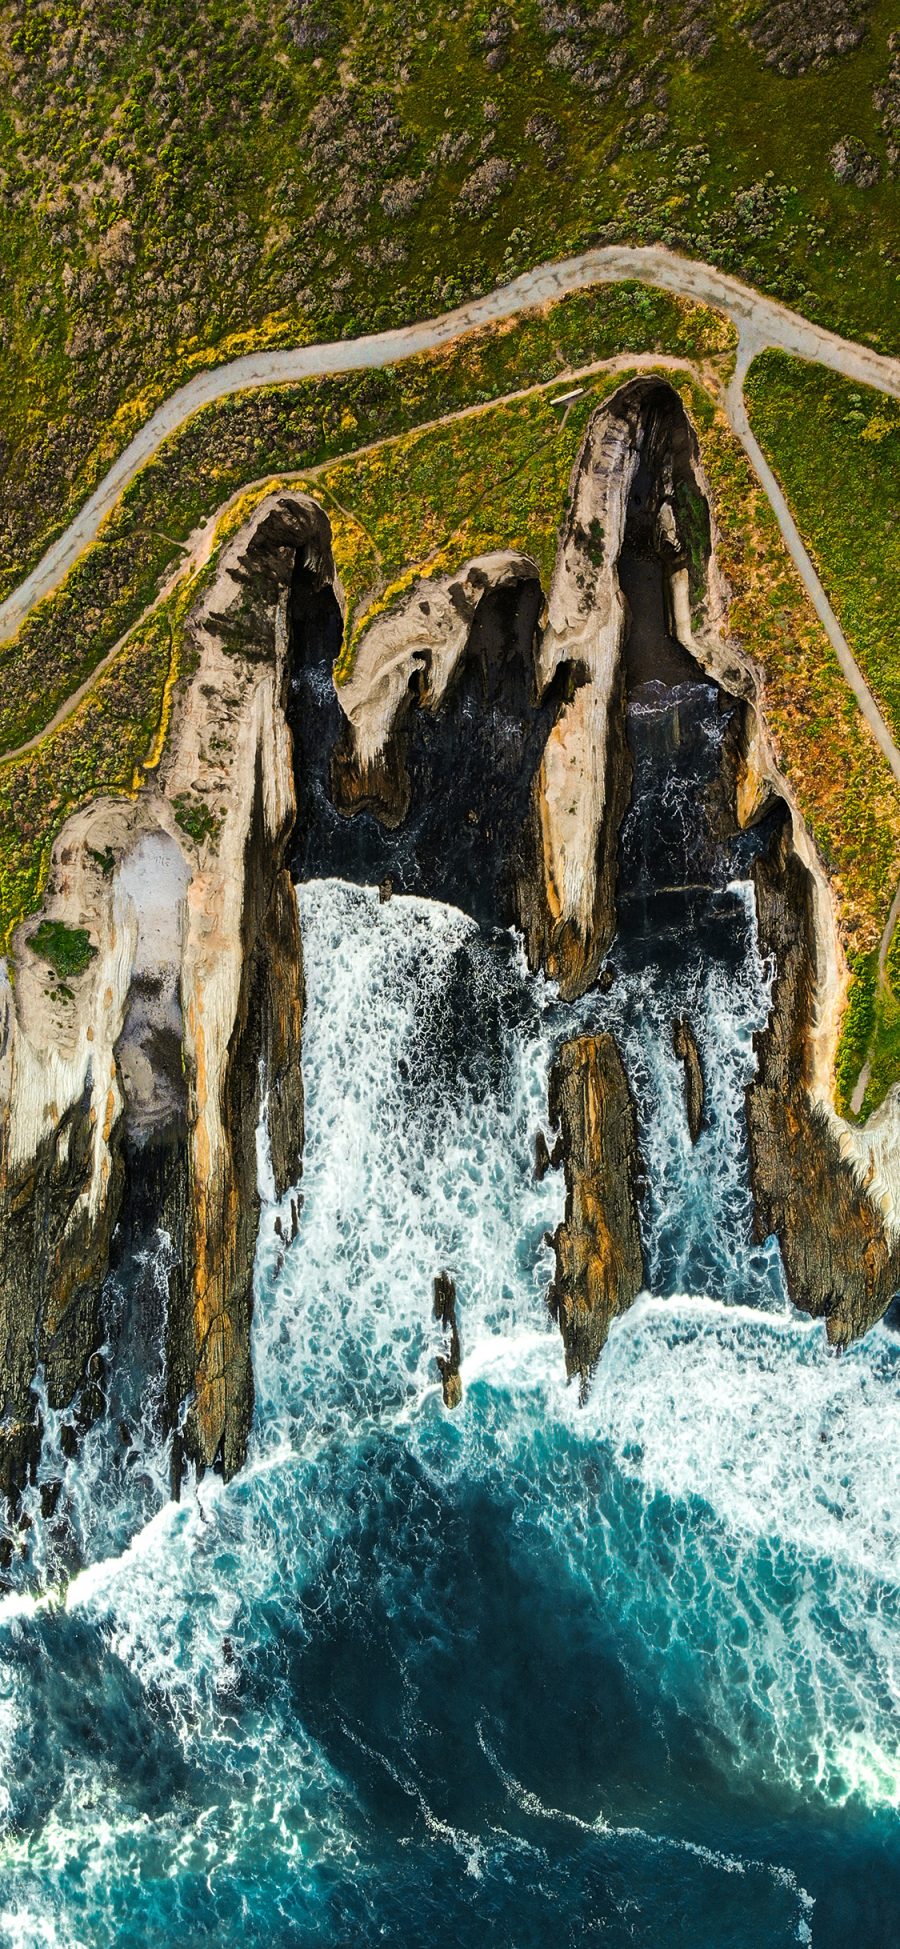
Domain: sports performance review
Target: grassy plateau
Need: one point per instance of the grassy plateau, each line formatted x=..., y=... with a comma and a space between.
x=181, y=180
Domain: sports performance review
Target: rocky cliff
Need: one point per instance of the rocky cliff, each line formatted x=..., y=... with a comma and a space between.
x=684, y=1043
x=831, y=1194
x=131, y=1085
x=562, y=858
x=840, y=1258
x=131, y=1089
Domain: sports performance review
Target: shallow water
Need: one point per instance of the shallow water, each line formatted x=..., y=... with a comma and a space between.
x=525, y=1673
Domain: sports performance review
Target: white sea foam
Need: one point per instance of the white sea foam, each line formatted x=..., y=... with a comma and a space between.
x=725, y=1493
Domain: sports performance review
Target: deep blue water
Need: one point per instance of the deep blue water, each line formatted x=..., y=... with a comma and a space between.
x=526, y=1674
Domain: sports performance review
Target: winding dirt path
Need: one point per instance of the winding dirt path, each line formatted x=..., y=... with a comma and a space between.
x=195, y=552
x=760, y=322
x=737, y=414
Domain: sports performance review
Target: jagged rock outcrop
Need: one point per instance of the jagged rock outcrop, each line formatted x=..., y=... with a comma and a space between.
x=428, y=751
x=841, y=1263
x=408, y=658
x=449, y=1361
x=795, y=37
x=567, y=891
x=599, y=1263
x=684, y=1044
x=563, y=864
x=139, y=1078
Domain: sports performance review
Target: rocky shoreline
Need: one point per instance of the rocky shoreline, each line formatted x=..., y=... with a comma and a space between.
x=132, y=1091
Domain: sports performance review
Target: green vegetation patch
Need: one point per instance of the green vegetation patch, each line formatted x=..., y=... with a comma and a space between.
x=856, y=1030
x=195, y=818
x=68, y=950
x=884, y=1046
x=835, y=447
x=870, y=1037
x=841, y=780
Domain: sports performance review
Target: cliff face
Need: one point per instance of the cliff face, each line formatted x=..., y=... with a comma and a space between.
x=566, y=896
x=60, y=1169
x=563, y=862
x=831, y=1195
x=839, y=1261
x=599, y=1265
x=132, y=1091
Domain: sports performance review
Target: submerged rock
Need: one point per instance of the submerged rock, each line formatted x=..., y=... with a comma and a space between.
x=599, y=1263
x=449, y=1362
x=685, y=1047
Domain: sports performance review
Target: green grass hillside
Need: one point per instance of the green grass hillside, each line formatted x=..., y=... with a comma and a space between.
x=179, y=181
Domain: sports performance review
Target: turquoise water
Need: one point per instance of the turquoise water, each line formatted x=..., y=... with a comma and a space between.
x=525, y=1674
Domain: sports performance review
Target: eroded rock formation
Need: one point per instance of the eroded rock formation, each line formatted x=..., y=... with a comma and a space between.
x=131, y=1090
x=599, y=1264
x=839, y=1260
x=564, y=726
x=441, y=728
x=482, y=737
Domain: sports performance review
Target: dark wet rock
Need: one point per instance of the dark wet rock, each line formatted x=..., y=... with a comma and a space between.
x=685, y=1047
x=837, y=1260
x=438, y=808
x=53, y=1263
x=448, y=1362
x=380, y=786
x=385, y=890
x=599, y=1264
x=541, y=1157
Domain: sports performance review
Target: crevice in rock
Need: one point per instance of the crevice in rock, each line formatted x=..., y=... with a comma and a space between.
x=440, y=807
